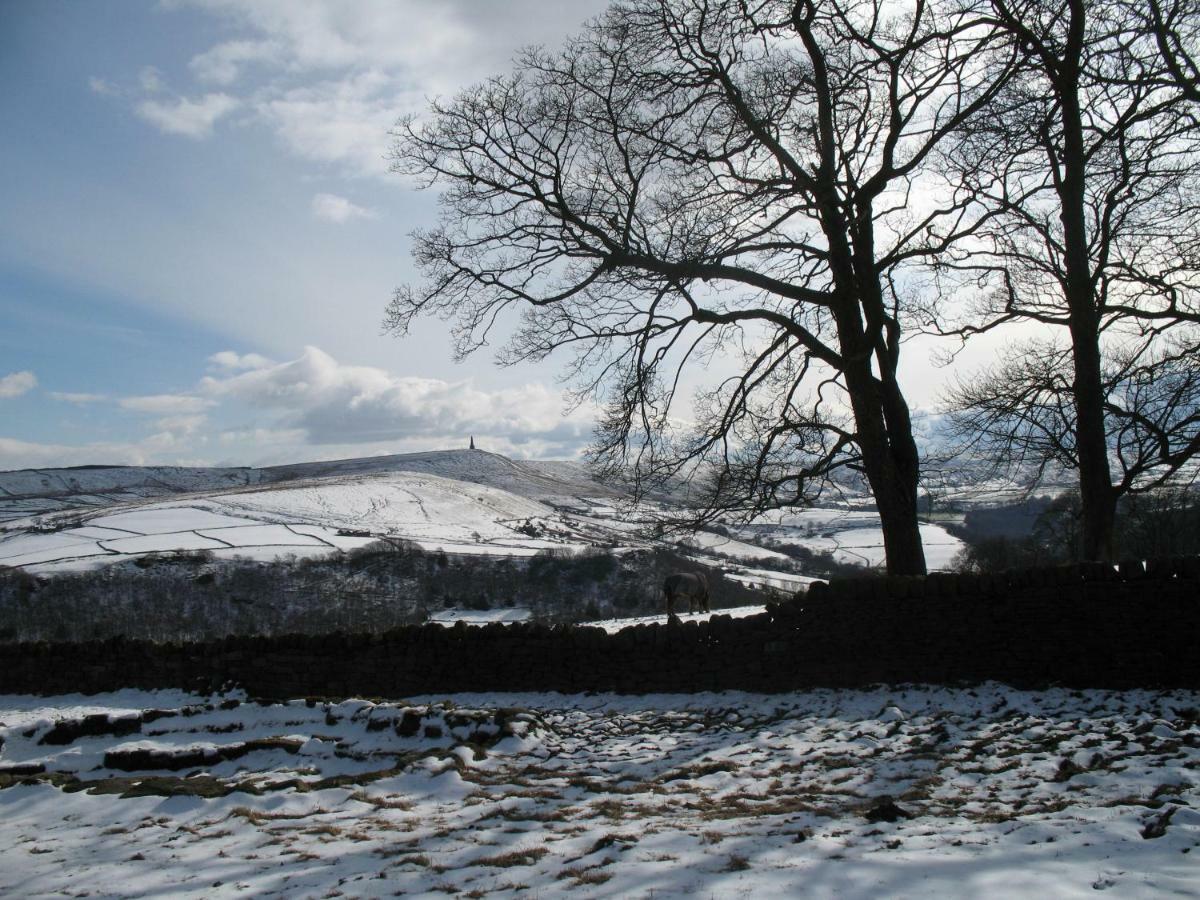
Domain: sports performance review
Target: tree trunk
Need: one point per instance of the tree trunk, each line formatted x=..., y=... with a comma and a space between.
x=891, y=464
x=1097, y=498
x=897, y=503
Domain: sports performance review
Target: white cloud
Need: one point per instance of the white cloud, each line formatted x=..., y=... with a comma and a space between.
x=332, y=77
x=182, y=425
x=339, y=404
x=190, y=118
x=79, y=399
x=231, y=361
x=222, y=64
x=166, y=404
x=16, y=384
x=310, y=35
x=102, y=87
x=15, y=454
x=343, y=122
x=151, y=79
x=332, y=208
x=258, y=412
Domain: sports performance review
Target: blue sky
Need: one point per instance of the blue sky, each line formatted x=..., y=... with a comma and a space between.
x=199, y=234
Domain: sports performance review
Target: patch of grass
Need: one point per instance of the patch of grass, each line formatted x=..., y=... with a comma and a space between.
x=519, y=857
x=753, y=805
x=609, y=840
x=737, y=863
x=699, y=770
x=525, y=814
x=382, y=802
x=324, y=830
x=258, y=816
x=612, y=809
x=586, y=876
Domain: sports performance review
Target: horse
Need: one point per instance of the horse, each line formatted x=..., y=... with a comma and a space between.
x=692, y=585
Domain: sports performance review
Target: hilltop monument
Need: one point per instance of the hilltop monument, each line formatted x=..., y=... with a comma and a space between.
x=472, y=447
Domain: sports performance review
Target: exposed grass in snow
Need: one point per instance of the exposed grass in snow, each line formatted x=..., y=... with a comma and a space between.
x=899, y=792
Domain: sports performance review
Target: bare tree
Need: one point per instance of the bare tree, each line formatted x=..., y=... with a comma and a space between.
x=695, y=180
x=1175, y=26
x=1089, y=161
x=1021, y=413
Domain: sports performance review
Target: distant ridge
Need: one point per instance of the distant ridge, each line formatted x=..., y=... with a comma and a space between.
x=31, y=492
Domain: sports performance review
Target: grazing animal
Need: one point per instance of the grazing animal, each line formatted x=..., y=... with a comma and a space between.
x=692, y=585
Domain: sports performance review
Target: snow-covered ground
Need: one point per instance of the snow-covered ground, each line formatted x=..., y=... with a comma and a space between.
x=890, y=792
x=505, y=616
x=736, y=612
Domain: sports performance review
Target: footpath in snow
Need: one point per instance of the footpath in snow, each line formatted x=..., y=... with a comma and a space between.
x=896, y=792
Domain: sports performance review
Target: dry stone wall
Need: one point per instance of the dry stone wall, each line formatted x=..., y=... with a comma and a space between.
x=1080, y=626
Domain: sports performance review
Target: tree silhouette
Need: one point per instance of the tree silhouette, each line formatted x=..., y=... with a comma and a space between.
x=691, y=181
x=1089, y=161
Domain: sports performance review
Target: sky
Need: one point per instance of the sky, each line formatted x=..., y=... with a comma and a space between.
x=199, y=233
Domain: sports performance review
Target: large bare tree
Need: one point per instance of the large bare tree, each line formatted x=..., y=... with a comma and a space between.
x=695, y=182
x=1089, y=162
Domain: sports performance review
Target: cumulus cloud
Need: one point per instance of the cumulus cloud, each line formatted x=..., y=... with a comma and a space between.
x=252, y=411
x=151, y=80
x=343, y=122
x=102, y=87
x=186, y=117
x=332, y=77
x=16, y=384
x=231, y=361
x=182, y=425
x=79, y=399
x=223, y=63
x=340, y=404
x=16, y=454
x=339, y=210
x=166, y=404
x=322, y=35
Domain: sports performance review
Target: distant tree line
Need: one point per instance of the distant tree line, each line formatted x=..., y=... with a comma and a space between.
x=797, y=186
x=1158, y=524
x=190, y=596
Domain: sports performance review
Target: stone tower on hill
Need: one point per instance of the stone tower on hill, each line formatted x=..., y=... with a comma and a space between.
x=472, y=447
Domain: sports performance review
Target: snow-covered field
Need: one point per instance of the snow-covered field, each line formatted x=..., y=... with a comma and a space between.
x=459, y=502
x=890, y=792
x=736, y=612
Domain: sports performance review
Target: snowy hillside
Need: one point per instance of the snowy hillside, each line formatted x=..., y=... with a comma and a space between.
x=554, y=481
x=466, y=502
x=31, y=492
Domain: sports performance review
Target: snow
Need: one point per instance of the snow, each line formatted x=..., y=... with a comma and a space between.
x=851, y=536
x=464, y=503
x=481, y=617
x=723, y=546
x=51, y=555
x=163, y=519
x=415, y=506
x=735, y=612
x=262, y=536
x=164, y=543
x=993, y=792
